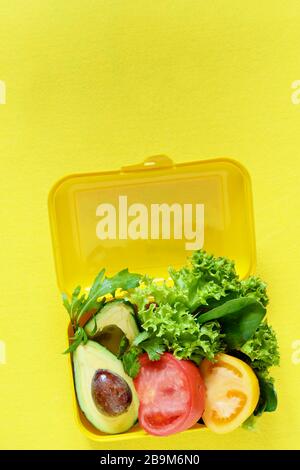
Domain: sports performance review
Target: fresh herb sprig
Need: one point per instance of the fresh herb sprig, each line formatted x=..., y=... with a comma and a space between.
x=144, y=342
x=81, y=303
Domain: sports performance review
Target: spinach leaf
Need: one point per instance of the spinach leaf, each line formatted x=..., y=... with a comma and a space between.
x=239, y=319
x=268, y=396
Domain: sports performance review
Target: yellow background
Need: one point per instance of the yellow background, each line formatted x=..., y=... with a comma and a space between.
x=98, y=84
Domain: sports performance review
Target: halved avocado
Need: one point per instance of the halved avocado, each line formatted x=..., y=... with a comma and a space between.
x=93, y=364
x=113, y=321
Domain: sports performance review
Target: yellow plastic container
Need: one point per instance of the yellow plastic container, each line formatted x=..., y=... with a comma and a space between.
x=107, y=219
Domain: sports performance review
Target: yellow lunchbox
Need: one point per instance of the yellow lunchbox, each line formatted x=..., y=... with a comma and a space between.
x=145, y=218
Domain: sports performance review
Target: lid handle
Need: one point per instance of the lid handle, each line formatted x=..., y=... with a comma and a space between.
x=151, y=163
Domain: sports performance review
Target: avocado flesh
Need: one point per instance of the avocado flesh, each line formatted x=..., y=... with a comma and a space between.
x=116, y=313
x=110, y=337
x=87, y=359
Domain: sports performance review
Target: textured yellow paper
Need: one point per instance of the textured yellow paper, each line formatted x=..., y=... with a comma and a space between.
x=97, y=85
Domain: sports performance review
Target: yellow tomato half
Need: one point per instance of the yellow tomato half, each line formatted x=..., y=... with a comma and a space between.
x=232, y=393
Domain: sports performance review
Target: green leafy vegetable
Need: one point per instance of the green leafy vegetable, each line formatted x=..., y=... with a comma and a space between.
x=262, y=348
x=254, y=287
x=174, y=329
x=154, y=347
x=144, y=335
x=250, y=423
x=220, y=274
x=79, y=337
x=82, y=303
x=239, y=318
x=262, y=352
x=66, y=302
x=95, y=327
x=268, y=396
x=131, y=362
x=205, y=283
x=209, y=281
x=123, y=347
x=207, y=310
x=150, y=289
x=179, y=332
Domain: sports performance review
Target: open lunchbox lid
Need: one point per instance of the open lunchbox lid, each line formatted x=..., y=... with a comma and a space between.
x=150, y=216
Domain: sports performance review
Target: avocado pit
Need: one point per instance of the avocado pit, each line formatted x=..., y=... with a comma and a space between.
x=111, y=393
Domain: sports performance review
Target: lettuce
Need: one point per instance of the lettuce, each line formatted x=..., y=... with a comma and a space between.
x=204, y=283
x=209, y=281
x=180, y=333
x=262, y=348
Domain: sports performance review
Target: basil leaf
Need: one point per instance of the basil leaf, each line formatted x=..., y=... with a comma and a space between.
x=239, y=319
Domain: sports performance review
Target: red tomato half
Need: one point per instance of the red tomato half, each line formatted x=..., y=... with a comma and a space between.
x=171, y=394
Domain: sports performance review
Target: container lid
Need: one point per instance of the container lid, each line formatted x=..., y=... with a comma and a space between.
x=150, y=216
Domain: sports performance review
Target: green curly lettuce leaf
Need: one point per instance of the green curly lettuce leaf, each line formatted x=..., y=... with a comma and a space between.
x=180, y=333
x=262, y=348
x=261, y=352
x=253, y=286
x=218, y=281
x=205, y=283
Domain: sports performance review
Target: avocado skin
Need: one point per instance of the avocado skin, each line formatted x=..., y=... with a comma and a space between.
x=87, y=359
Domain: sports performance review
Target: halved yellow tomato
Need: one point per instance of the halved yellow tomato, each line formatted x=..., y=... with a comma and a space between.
x=232, y=393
